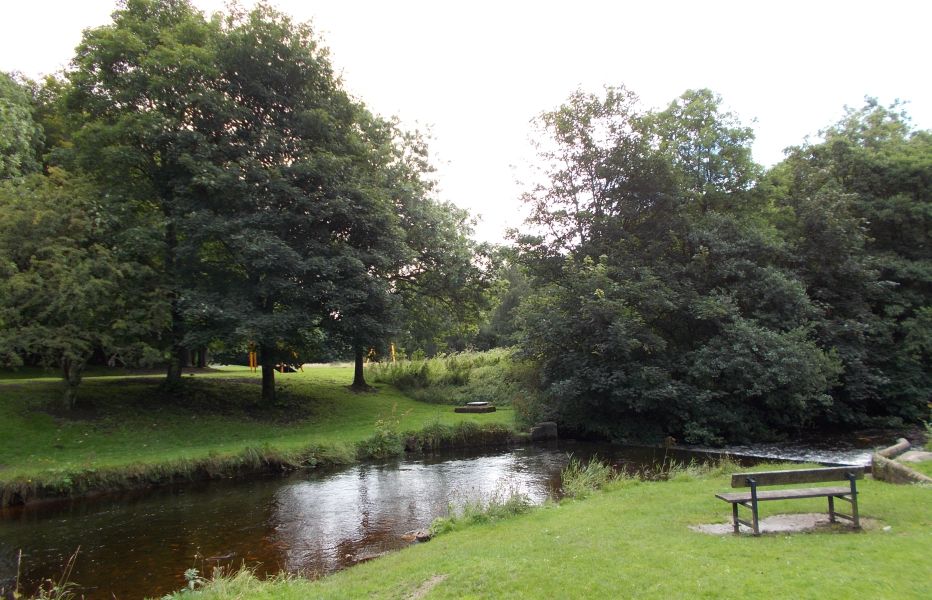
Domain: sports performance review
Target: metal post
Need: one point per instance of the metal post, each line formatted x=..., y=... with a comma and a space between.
x=754, y=520
x=854, y=501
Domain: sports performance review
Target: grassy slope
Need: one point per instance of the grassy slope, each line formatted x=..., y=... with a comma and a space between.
x=131, y=422
x=634, y=542
x=924, y=467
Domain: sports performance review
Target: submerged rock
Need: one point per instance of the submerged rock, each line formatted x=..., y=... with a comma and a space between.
x=416, y=535
x=544, y=431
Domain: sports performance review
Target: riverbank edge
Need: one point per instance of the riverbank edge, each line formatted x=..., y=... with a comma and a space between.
x=414, y=571
x=252, y=462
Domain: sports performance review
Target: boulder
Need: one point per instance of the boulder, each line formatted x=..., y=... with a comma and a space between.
x=418, y=535
x=893, y=472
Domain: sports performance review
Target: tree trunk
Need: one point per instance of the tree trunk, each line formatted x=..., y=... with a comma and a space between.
x=175, y=364
x=71, y=374
x=202, y=357
x=176, y=333
x=359, y=376
x=268, y=375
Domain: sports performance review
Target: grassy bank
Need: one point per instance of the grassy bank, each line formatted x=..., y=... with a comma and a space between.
x=493, y=376
x=129, y=432
x=634, y=541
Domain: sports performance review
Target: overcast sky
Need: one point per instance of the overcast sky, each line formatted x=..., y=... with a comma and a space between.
x=475, y=73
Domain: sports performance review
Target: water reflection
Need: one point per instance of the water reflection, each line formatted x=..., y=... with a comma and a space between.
x=326, y=524
x=141, y=544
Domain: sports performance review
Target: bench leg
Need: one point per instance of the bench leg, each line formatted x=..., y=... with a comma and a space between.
x=754, y=518
x=854, y=511
x=754, y=513
x=831, y=509
x=734, y=515
x=854, y=501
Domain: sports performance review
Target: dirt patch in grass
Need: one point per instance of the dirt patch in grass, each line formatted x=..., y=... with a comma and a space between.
x=786, y=524
x=426, y=587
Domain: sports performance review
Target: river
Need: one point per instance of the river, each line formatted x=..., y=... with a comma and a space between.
x=140, y=544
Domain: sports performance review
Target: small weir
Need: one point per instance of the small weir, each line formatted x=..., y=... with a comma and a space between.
x=140, y=544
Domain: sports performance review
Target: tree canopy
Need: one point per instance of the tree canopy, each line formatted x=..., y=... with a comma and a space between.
x=680, y=292
x=203, y=181
x=276, y=211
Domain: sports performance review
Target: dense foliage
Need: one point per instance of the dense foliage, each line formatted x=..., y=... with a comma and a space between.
x=269, y=209
x=677, y=291
x=196, y=183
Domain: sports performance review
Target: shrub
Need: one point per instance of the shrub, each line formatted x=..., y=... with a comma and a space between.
x=581, y=479
x=503, y=503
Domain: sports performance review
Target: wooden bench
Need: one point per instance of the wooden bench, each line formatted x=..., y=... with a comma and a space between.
x=751, y=499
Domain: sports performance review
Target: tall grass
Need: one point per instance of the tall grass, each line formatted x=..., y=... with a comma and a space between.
x=581, y=479
x=501, y=504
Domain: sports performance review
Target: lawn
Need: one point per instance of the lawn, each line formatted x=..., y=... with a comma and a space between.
x=635, y=541
x=126, y=420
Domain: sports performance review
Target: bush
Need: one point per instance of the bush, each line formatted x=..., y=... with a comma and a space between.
x=580, y=480
x=503, y=503
x=387, y=440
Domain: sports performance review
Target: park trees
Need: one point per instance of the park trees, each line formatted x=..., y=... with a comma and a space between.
x=663, y=307
x=860, y=211
x=66, y=288
x=283, y=213
x=20, y=136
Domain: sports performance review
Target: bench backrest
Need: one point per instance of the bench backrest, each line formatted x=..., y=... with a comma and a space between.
x=797, y=476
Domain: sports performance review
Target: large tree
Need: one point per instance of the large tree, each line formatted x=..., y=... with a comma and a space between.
x=141, y=92
x=859, y=215
x=67, y=289
x=663, y=307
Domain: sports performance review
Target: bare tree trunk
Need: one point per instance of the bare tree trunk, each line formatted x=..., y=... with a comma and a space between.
x=177, y=358
x=359, y=376
x=71, y=374
x=202, y=357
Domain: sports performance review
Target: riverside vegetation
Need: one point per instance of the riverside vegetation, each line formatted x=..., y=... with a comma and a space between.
x=632, y=540
x=133, y=433
x=494, y=376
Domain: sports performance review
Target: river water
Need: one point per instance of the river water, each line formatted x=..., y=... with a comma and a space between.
x=140, y=544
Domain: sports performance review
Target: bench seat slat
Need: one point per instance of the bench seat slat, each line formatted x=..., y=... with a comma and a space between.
x=817, y=492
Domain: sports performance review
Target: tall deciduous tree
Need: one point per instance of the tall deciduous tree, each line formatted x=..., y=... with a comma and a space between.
x=667, y=309
x=142, y=88
x=66, y=289
x=20, y=136
x=861, y=216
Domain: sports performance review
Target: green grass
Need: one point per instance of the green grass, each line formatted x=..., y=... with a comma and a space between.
x=127, y=425
x=634, y=541
x=924, y=467
x=492, y=376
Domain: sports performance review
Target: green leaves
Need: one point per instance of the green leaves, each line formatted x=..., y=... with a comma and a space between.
x=677, y=295
x=67, y=290
x=21, y=137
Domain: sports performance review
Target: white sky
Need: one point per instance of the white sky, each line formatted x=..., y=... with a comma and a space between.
x=476, y=72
